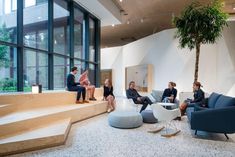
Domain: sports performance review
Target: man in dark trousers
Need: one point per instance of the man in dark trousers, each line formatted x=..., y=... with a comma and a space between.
x=131, y=93
x=75, y=86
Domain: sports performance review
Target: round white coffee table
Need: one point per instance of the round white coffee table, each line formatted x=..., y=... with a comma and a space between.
x=166, y=104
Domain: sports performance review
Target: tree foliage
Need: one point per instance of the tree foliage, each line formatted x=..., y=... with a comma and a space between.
x=200, y=24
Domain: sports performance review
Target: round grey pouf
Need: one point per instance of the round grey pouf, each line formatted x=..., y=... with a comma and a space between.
x=125, y=120
x=148, y=116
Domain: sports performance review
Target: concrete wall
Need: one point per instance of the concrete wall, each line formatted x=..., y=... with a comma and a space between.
x=170, y=63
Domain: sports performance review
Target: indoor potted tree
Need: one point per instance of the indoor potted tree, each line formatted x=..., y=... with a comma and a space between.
x=199, y=24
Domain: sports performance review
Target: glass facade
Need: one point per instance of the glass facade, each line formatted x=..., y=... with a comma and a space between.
x=40, y=40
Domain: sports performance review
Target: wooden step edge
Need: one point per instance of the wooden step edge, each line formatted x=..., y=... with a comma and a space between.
x=55, y=140
x=6, y=109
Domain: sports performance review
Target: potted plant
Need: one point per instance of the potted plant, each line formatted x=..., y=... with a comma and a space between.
x=200, y=24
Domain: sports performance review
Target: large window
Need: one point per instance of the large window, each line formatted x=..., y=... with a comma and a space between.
x=61, y=70
x=92, y=73
x=40, y=46
x=8, y=18
x=35, y=69
x=61, y=27
x=35, y=25
x=92, y=40
x=78, y=34
x=81, y=67
x=8, y=76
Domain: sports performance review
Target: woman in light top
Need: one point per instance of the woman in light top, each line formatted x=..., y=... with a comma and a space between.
x=84, y=81
x=108, y=95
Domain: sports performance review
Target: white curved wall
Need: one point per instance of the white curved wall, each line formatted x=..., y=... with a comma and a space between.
x=170, y=63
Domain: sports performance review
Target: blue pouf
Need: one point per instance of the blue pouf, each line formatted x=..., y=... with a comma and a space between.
x=148, y=116
x=125, y=120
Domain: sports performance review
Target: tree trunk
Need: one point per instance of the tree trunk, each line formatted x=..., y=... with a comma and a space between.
x=197, y=62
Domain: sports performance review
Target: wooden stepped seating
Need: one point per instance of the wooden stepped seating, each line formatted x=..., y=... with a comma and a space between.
x=6, y=109
x=51, y=135
x=30, y=114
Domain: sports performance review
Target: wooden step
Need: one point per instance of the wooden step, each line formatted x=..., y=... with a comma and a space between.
x=17, y=122
x=24, y=101
x=6, y=109
x=52, y=134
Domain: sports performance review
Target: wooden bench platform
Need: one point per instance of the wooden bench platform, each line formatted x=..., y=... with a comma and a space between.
x=35, y=121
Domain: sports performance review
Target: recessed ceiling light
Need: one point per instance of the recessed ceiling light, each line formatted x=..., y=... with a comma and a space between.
x=120, y=0
x=113, y=25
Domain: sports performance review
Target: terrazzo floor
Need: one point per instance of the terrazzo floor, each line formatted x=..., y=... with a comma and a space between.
x=95, y=138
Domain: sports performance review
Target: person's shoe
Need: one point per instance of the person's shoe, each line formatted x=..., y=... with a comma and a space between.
x=85, y=101
x=78, y=102
x=109, y=110
x=92, y=99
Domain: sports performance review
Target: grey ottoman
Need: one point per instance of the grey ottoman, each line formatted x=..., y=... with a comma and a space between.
x=125, y=119
x=148, y=116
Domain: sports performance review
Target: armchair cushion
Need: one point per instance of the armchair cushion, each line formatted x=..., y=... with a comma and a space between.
x=152, y=98
x=157, y=94
x=212, y=99
x=224, y=101
x=199, y=108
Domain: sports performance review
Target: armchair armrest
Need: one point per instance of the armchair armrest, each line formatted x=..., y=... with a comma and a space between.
x=219, y=120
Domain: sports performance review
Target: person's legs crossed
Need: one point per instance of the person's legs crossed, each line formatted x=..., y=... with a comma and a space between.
x=146, y=100
x=143, y=107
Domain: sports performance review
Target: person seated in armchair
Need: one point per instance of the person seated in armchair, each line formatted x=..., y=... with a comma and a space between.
x=75, y=86
x=170, y=93
x=131, y=93
x=84, y=81
x=198, y=95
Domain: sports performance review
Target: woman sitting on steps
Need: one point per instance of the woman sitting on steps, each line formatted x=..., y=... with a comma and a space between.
x=108, y=95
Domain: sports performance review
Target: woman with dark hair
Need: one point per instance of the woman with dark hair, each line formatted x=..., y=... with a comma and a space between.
x=108, y=95
x=198, y=95
x=170, y=93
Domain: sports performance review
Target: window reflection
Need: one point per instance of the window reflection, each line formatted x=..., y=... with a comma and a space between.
x=78, y=32
x=35, y=25
x=35, y=69
x=8, y=65
x=8, y=16
x=61, y=69
x=92, y=40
